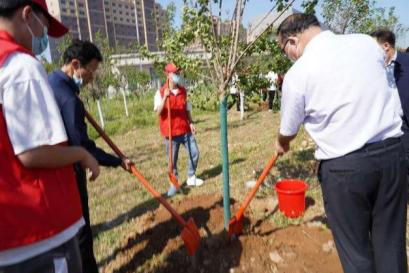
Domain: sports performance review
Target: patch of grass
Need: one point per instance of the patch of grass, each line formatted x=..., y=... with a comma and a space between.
x=140, y=109
x=281, y=221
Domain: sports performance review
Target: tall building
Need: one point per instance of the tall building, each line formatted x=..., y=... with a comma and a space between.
x=121, y=21
x=258, y=24
x=161, y=21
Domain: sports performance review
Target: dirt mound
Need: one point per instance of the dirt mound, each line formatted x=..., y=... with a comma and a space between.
x=157, y=247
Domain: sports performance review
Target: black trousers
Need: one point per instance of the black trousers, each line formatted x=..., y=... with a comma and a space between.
x=236, y=100
x=89, y=264
x=405, y=138
x=365, y=201
x=271, y=94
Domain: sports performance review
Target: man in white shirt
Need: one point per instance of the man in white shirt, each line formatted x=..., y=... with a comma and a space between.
x=273, y=78
x=338, y=89
x=234, y=92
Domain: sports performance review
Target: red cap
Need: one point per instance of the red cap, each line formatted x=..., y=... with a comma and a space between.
x=56, y=28
x=171, y=68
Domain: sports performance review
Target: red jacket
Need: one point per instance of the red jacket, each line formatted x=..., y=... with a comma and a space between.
x=179, y=116
x=35, y=204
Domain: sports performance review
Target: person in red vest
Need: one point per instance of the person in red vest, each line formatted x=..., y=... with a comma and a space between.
x=182, y=129
x=40, y=208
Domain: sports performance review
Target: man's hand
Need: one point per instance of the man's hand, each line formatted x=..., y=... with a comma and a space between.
x=126, y=164
x=166, y=93
x=192, y=128
x=90, y=163
x=282, y=148
x=283, y=143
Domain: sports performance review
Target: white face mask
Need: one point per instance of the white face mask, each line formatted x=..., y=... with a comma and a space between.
x=294, y=59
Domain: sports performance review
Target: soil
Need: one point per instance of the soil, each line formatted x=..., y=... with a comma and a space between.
x=156, y=245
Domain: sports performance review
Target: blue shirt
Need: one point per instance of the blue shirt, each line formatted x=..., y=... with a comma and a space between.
x=73, y=114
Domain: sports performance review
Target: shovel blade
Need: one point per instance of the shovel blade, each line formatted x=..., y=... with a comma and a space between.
x=191, y=237
x=173, y=179
x=235, y=226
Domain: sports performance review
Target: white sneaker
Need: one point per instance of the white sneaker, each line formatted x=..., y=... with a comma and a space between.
x=251, y=183
x=194, y=181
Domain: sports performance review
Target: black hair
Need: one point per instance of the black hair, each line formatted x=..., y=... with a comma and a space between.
x=384, y=36
x=84, y=51
x=296, y=24
x=8, y=8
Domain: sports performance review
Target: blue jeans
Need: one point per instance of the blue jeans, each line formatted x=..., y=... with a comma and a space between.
x=188, y=140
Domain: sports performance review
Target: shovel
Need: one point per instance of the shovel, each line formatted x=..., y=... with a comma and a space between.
x=172, y=177
x=236, y=223
x=190, y=234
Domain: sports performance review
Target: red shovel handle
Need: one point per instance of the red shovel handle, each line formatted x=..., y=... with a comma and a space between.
x=260, y=180
x=159, y=197
x=138, y=175
x=170, y=137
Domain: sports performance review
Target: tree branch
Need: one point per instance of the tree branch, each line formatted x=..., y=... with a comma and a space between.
x=255, y=40
x=237, y=34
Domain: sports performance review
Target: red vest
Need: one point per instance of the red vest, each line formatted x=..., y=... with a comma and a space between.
x=178, y=113
x=35, y=204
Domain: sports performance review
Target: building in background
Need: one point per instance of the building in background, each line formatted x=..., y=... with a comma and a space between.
x=123, y=22
x=161, y=21
x=223, y=28
x=258, y=24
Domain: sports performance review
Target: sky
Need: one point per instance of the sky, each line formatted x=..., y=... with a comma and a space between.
x=259, y=7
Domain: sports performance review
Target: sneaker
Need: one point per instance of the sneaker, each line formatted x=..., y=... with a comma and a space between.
x=251, y=183
x=172, y=191
x=194, y=181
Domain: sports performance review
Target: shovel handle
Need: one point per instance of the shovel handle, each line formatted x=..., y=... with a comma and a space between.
x=157, y=195
x=260, y=180
x=170, y=137
x=102, y=133
x=138, y=175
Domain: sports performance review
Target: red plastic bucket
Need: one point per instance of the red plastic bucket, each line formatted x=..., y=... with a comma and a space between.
x=291, y=197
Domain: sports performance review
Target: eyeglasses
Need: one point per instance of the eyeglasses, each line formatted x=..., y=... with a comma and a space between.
x=285, y=45
x=92, y=72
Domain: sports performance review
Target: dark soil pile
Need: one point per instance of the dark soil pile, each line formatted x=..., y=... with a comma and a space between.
x=156, y=245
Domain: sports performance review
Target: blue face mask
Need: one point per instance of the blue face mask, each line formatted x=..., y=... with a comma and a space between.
x=78, y=81
x=175, y=78
x=39, y=44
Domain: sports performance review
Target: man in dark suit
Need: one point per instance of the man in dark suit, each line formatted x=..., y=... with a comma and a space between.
x=397, y=65
x=80, y=62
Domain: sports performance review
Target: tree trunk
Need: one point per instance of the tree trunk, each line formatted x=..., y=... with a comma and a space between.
x=125, y=102
x=101, y=117
x=225, y=161
x=241, y=105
